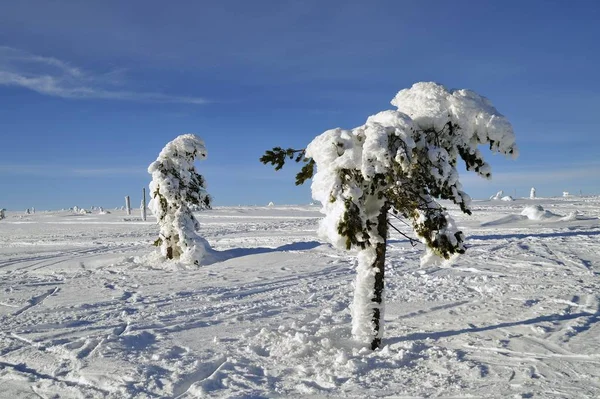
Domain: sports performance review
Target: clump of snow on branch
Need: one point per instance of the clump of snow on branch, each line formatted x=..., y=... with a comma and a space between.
x=431, y=105
x=176, y=187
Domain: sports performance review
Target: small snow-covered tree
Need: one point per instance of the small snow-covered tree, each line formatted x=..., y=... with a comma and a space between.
x=175, y=188
x=532, y=193
x=400, y=161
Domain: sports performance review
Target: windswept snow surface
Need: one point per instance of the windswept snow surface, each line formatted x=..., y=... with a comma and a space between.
x=86, y=313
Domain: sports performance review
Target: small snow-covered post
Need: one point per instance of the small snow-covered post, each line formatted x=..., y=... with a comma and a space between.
x=127, y=205
x=143, y=204
x=176, y=186
x=402, y=161
x=532, y=193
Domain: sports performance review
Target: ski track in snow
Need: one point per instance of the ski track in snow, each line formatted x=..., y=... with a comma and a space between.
x=84, y=313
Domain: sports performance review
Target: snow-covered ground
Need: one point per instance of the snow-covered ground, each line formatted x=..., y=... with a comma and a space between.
x=86, y=313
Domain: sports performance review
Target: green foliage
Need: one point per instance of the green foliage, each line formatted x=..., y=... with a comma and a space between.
x=193, y=193
x=306, y=173
x=352, y=227
x=278, y=156
x=434, y=222
x=163, y=203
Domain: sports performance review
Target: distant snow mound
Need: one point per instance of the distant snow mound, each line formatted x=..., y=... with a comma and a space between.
x=536, y=212
x=574, y=215
x=507, y=198
x=497, y=196
x=571, y=216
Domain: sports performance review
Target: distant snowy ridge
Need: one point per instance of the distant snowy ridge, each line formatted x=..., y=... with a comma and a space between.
x=537, y=213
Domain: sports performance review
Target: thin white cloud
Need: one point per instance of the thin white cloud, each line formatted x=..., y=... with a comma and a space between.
x=53, y=77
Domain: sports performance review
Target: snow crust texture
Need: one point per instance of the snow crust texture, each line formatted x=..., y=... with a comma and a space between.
x=83, y=315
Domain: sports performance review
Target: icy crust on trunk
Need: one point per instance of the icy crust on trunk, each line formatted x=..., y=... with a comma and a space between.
x=363, y=306
x=174, y=188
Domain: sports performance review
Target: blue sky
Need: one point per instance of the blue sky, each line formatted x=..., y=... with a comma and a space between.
x=90, y=92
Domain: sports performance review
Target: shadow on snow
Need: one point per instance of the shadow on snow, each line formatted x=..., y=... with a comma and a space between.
x=214, y=256
x=538, y=235
x=594, y=317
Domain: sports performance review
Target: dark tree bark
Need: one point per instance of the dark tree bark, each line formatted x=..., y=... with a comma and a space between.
x=382, y=229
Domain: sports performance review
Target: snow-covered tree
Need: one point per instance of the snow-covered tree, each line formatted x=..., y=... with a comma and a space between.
x=532, y=193
x=175, y=188
x=399, y=161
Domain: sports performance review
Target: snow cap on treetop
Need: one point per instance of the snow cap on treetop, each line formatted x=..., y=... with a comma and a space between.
x=430, y=105
x=182, y=145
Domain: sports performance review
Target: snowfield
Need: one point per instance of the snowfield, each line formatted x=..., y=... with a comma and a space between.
x=87, y=311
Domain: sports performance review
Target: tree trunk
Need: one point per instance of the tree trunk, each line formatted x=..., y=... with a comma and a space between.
x=382, y=229
x=367, y=306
